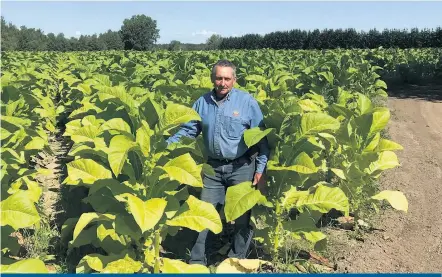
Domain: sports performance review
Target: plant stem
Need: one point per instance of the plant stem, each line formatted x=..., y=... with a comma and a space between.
x=276, y=241
x=157, y=252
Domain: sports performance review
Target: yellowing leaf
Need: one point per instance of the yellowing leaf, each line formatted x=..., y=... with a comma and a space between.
x=176, y=266
x=119, y=148
x=239, y=199
x=146, y=214
x=388, y=145
x=35, y=143
x=86, y=133
x=87, y=218
x=381, y=116
x=25, y=266
x=235, y=265
x=255, y=135
x=230, y=265
x=396, y=199
x=126, y=265
x=185, y=170
x=386, y=160
x=308, y=105
x=116, y=124
x=197, y=215
x=323, y=199
x=143, y=137
x=312, y=123
x=18, y=211
x=176, y=114
x=87, y=170
x=373, y=143
x=339, y=173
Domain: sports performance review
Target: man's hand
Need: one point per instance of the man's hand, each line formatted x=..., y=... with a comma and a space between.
x=260, y=181
x=257, y=178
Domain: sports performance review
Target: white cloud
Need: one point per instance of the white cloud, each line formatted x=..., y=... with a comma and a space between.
x=77, y=33
x=203, y=33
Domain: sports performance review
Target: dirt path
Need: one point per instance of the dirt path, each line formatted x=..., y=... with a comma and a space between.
x=409, y=242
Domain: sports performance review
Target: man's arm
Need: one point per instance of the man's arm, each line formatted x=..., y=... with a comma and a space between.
x=191, y=129
x=257, y=120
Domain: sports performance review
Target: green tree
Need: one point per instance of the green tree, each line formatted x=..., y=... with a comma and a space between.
x=174, y=45
x=112, y=40
x=9, y=36
x=214, y=42
x=139, y=33
x=31, y=39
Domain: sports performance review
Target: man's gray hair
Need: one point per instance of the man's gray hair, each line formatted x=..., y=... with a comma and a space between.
x=223, y=63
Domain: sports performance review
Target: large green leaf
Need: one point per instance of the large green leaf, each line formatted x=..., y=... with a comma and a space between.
x=87, y=218
x=388, y=145
x=373, y=143
x=25, y=266
x=87, y=108
x=364, y=104
x=116, y=124
x=239, y=199
x=176, y=115
x=323, y=200
x=143, y=137
x=308, y=105
x=96, y=262
x=291, y=196
x=126, y=265
x=312, y=123
x=197, y=215
x=176, y=266
x=126, y=225
x=109, y=240
x=118, y=95
x=86, y=133
x=254, y=135
x=305, y=226
x=302, y=164
x=18, y=210
x=152, y=112
x=381, y=116
x=87, y=171
x=146, y=214
x=119, y=148
x=36, y=143
x=184, y=170
x=386, y=160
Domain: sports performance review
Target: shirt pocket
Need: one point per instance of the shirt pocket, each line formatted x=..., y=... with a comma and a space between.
x=234, y=127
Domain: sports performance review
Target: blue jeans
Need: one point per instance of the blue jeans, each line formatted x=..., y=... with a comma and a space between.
x=214, y=191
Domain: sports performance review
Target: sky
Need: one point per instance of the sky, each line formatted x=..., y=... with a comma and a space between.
x=195, y=21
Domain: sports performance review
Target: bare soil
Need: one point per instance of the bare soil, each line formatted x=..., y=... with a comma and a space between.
x=405, y=242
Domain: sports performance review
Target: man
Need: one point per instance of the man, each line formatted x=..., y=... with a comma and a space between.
x=226, y=113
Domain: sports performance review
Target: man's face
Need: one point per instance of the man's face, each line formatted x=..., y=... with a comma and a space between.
x=223, y=80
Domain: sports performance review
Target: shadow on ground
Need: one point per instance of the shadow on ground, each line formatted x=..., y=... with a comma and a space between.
x=429, y=92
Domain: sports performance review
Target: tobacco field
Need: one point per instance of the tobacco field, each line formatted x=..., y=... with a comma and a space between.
x=111, y=112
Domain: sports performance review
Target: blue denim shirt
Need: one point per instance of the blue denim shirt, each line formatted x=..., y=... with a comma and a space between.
x=223, y=126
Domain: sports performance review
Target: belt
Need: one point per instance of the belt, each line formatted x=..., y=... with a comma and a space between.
x=227, y=161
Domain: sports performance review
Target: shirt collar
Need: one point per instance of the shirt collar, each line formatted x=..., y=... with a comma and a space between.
x=227, y=98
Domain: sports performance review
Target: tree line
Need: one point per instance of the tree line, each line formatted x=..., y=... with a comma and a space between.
x=337, y=38
x=140, y=32
x=137, y=33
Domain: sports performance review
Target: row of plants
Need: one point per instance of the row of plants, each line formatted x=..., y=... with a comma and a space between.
x=28, y=117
